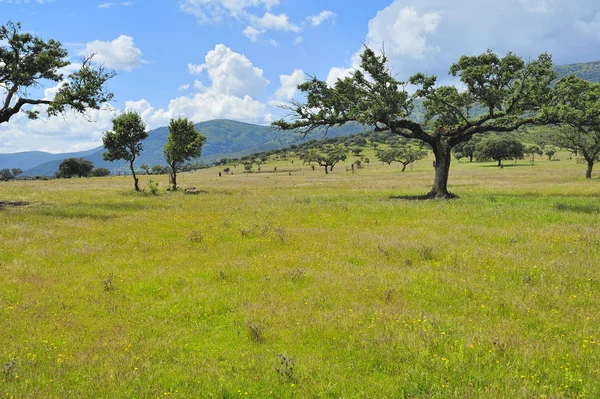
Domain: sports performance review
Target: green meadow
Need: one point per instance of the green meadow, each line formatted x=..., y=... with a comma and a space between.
x=304, y=285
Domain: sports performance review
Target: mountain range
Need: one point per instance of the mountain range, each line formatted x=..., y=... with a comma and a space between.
x=225, y=139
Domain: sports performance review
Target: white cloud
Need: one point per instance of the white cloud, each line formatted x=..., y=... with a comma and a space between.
x=184, y=87
x=231, y=73
x=403, y=31
x=337, y=73
x=252, y=33
x=289, y=86
x=120, y=53
x=318, y=19
x=298, y=40
x=276, y=22
x=215, y=10
x=105, y=5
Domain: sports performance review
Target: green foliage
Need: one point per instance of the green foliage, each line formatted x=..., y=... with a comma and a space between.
x=589, y=71
x=125, y=140
x=9, y=174
x=327, y=156
x=72, y=167
x=100, y=172
x=28, y=61
x=183, y=143
x=576, y=106
x=509, y=90
x=499, y=149
x=403, y=155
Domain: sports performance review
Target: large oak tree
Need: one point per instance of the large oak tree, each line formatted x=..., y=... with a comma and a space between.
x=27, y=63
x=501, y=94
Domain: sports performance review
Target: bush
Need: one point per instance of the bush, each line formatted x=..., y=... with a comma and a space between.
x=100, y=172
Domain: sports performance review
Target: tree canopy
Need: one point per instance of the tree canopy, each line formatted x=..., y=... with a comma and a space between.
x=499, y=148
x=27, y=62
x=575, y=106
x=71, y=167
x=510, y=92
x=125, y=140
x=183, y=143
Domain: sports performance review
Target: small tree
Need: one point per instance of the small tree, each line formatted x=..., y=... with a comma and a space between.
x=327, y=157
x=10, y=174
x=160, y=170
x=125, y=141
x=532, y=150
x=550, y=153
x=71, y=167
x=183, y=143
x=467, y=150
x=27, y=61
x=145, y=168
x=100, y=172
x=499, y=148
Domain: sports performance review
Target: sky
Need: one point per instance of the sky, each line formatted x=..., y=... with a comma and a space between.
x=240, y=59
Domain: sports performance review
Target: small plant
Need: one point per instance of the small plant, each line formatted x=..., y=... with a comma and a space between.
x=108, y=283
x=389, y=294
x=296, y=274
x=256, y=329
x=426, y=253
x=285, y=369
x=9, y=367
x=153, y=187
x=196, y=237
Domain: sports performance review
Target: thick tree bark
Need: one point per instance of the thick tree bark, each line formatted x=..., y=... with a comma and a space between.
x=135, y=179
x=443, y=157
x=588, y=173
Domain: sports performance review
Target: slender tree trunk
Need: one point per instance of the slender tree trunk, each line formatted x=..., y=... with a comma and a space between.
x=588, y=173
x=500, y=162
x=443, y=157
x=135, y=179
x=403, y=167
x=173, y=177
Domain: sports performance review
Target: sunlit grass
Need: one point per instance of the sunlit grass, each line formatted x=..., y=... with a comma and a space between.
x=304, y=285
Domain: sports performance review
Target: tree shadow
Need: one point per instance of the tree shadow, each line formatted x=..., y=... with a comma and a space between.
x=13, y=204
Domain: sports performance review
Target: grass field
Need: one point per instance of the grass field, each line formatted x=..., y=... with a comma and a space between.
x=304, y=285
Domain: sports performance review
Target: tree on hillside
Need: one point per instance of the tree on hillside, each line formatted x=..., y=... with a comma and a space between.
x=71, y=167
x=576, y=107
x=183, y=143
x=498, y=149
x=327, y=157
x=509, y=90
x=27, y=62
x=125, y=141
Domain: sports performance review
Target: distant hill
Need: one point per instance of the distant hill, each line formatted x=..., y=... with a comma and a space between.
x=225, y=138
x=587, y=70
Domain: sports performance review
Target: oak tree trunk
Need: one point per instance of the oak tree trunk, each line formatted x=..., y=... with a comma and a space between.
x=588, y=173
x=443, y=158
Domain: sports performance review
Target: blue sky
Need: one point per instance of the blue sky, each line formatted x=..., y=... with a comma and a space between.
x=238, y=59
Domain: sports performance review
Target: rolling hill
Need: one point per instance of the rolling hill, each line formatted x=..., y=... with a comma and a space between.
x=225, y=138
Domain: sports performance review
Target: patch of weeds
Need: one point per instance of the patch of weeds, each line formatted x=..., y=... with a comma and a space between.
x=153, y=187
x=527, y=278
x=389, y=294
x=285, y=368
x=408, y=262
x=256, y=330
x=249, y=232
x=301, y=200
x=108, y=283
x=279, y=232
x=8, y=368
x=579, y=208
x=425, y=253
x=196, y=237
x=383, y=252
x=296, y=274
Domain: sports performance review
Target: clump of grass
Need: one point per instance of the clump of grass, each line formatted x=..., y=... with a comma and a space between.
x=196, y=237
x=296, y=274
x=256, y=328
x=285, y=368
x=425, y=253
x=108, y=283
x=153, y=187
x=8, y=368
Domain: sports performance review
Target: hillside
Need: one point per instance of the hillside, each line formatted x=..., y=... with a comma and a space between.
x=587, y=70
x=225, y=138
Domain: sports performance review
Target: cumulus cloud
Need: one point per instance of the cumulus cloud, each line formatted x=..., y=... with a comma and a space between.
x=252, y=33
x=318, y=19
x=120, y=53
x=289, y=87
x=276, y=22
x=215, y=10
x=231, y=73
